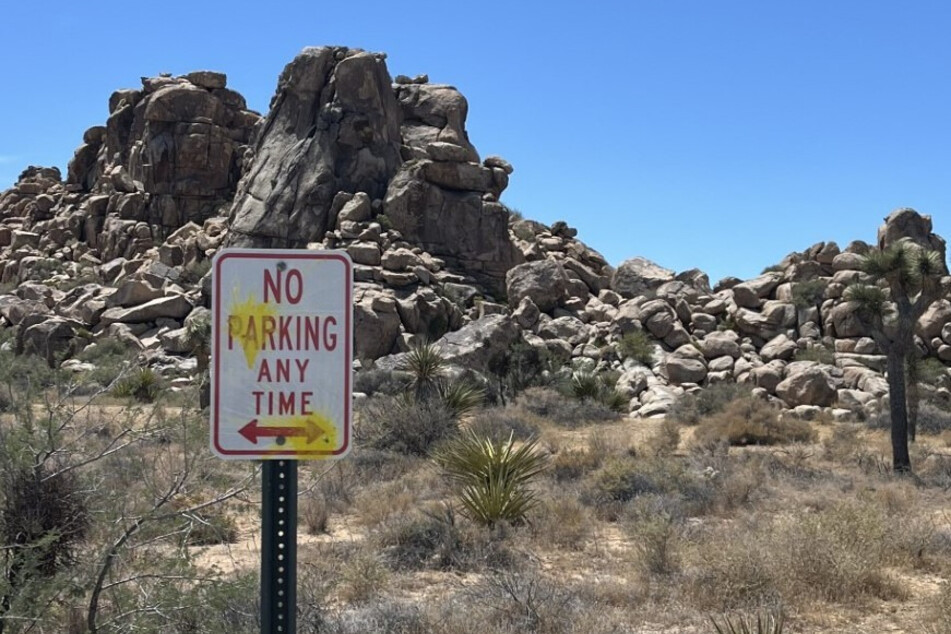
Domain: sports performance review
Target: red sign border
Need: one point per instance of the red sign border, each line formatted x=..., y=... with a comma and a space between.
x=276, y=254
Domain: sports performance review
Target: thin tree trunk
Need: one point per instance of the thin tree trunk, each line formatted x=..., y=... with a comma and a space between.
x=912, y=397
x=901, y=461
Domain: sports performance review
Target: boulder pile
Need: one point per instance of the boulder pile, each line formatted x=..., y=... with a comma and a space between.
x=349, y=158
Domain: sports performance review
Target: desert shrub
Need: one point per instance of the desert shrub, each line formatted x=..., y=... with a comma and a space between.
x=362, y=577
x=315, y=513
x=437, y=540
x=382, y=501
x=375, y=381
x=500, y=423
x=382, y=616
x=636, y=345
x=45, y=515
x=734, y=571
x=933, y=418
x=837, y=554
x=403, y=424
x=819, y=354
x=587, y=386
x=622, y=479
x=110, y=356
x=656, y=536
x=690, y=408
x=665, y=440
x=571, y=464
x=765, y=622
x=932, y=372
x=750, y=421
x=561, y=410
x=494, y=476
x=522, y=366
x=461, y=397
x=211, y=527
x=142, y=384
x=523, y=601
x=809, y=293
x=562, y=521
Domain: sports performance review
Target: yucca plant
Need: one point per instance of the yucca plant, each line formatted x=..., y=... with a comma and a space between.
x=585, y=385
x=460, y=397
x=494, y=476
x=768, y=623
x=426, y=365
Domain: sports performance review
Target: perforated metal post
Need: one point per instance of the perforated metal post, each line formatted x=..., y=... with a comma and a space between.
x=279, y=548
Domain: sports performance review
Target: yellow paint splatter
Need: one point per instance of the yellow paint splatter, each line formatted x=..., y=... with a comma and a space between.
x=245, y=324
x=321, y=433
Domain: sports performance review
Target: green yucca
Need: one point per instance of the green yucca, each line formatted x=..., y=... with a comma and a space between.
x=585, y=385
x=768, y=623
x=460, y=397
x=493, y=475
x=427, y=365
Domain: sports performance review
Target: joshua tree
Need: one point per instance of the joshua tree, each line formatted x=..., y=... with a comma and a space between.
x=907, y=279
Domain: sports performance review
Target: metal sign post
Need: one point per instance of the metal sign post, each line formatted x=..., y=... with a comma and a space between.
x=282, y=349
x=279, y=548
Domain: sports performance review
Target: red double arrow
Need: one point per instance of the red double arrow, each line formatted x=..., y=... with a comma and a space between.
x=252, y=431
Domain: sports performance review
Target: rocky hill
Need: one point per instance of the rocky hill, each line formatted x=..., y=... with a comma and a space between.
x=349, y=158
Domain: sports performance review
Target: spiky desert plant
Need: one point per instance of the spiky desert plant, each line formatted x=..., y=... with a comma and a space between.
x=761, y=623
x=461, y=397
x=912, y=276
x=585, y=385
x=426, y=365
x=493, y=476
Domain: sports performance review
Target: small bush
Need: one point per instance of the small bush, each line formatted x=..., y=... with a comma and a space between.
x=819, y=354
x=143, y=384
x=656, y=537
x=622, y=479
x=572, y=464
x=690, y=408
x=523, y=602
x=769, y=622
x=636, y=345
x=362, y=578
x=808, y=294
x=932, y=372
x=383, y=616
x=404, y=425
x=315, y=512
x=933, y=418
x=499, y=424
x=435, y=540
x=562, y=522
x=561, y=410
x=750, y=421
x=494, y=476
x=210, y=528
x=375, y=381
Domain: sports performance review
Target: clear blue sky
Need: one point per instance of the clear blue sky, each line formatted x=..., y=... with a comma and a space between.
x=721, y=135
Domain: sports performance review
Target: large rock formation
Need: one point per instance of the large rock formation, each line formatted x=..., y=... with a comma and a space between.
x=348, y=159
x=334, y=126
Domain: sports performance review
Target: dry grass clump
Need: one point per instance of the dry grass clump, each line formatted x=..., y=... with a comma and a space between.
x=572, y=464
x=362, y=577
x=837, y=554
x=499, y=423
x=523, y=601
x=750, y=421
x=656, y=536
x=561, y=521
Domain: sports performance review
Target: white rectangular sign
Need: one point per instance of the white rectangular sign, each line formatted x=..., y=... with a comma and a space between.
x=282, y=349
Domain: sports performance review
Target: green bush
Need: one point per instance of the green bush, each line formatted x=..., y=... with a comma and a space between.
x=932, y=372
x=142, y=384
x=493, y=476
x=808, y=294
x=553, y=406
x=819, y=354
x=403, y=424
x=690, y=408
x=636, y=345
